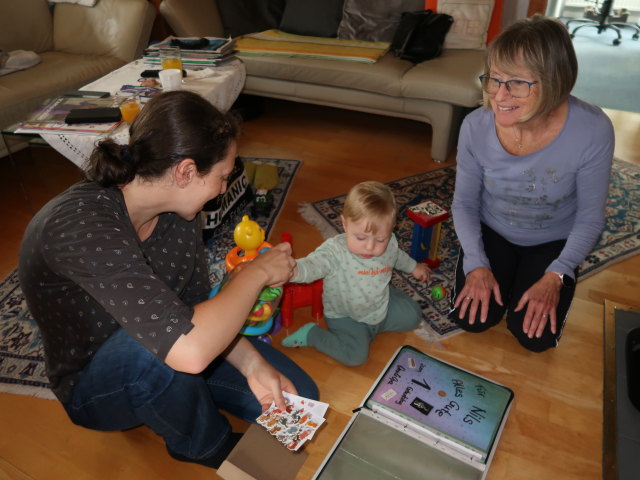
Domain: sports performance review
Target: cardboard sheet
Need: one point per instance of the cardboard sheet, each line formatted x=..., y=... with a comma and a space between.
x=259, y=456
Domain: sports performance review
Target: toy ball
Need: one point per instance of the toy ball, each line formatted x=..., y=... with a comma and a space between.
x=438, y=292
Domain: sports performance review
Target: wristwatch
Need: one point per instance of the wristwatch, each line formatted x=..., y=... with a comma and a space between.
x=566, y=280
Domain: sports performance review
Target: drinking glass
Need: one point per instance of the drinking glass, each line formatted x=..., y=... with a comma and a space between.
x=171, y=79
x=130, y=108
x=170, y=58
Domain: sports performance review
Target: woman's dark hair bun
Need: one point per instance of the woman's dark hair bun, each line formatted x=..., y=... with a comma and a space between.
x=111, y=164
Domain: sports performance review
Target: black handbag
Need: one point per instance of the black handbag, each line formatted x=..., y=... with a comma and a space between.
x=420, y=35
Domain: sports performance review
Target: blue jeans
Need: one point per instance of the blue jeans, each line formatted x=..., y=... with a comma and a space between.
x=125, y=386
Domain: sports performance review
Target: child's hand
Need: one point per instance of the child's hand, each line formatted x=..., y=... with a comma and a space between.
x=421, y=272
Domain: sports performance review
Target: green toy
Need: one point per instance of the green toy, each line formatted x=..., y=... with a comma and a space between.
x=438, y=292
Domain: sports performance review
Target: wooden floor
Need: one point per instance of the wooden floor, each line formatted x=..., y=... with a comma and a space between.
x=555, y=428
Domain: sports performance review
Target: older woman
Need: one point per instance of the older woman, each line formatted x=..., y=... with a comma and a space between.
x=114, y=273
x=531, y=186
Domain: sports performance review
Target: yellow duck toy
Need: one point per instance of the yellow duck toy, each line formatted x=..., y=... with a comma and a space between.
x=249, y=238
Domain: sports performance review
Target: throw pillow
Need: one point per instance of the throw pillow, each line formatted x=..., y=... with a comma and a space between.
x=470, y=22
x=374, y=20
x=317, y=18
x=249, y=16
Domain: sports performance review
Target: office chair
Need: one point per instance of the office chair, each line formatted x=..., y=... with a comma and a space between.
x=600, y=22
x=622, y=23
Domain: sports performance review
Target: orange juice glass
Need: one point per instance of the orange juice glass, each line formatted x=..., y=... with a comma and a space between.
x=130, y=108
x=170, y=58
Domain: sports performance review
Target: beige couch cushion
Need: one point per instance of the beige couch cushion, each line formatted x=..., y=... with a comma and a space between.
x=13, y=14
x=447, y=78
x=106, y=29
x=21, y=92
x=383, y=76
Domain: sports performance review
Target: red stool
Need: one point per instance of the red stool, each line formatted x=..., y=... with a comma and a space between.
x=300, y=295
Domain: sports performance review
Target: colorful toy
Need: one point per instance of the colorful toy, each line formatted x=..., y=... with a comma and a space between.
x=428, y=218
x=263, y=177
x=262, y=203
x=262, y=316
x=438, y=292
x=249, y=238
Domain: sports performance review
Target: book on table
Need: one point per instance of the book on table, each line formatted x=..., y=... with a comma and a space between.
x=50, y=116
x=423, y=418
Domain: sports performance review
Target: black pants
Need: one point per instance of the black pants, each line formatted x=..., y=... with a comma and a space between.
x=515, y=268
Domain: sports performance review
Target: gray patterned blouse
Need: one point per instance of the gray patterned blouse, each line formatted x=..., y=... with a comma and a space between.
x=85, y=274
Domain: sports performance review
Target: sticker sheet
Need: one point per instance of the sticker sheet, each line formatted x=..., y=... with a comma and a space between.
x=297, y=424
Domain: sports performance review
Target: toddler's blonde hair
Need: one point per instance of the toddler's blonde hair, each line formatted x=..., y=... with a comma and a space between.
x=375, y=202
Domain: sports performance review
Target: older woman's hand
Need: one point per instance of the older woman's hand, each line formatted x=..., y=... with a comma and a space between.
x=541, y=300
x=478, y=287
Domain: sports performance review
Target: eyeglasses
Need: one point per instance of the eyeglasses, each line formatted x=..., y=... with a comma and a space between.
x=516, y=88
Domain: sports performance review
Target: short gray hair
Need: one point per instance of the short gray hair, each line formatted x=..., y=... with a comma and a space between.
x=544, y=47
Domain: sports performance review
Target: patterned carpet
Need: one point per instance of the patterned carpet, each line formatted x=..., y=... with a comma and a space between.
x=21, y=353
x=620, y=239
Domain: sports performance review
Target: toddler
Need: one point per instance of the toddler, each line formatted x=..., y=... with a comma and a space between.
x=356, y=268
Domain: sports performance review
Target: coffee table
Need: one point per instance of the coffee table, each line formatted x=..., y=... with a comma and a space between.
x=220, y=85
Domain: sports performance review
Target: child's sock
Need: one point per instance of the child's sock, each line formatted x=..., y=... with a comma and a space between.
x=299, y=337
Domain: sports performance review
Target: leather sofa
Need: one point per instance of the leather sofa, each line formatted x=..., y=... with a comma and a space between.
x=437, y=91
x=76, y=45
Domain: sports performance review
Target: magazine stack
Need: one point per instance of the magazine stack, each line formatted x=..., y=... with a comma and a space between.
x=195, y=52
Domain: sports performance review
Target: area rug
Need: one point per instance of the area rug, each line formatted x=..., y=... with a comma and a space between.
x=620, y=239
x=21, y=354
